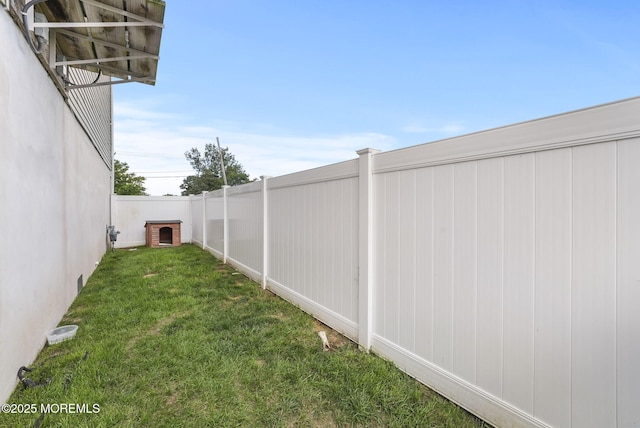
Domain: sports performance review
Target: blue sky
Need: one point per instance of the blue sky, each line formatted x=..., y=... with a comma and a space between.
x=292, y=85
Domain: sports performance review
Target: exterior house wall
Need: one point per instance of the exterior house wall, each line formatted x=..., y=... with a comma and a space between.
x=54, y=204
x=92, y=107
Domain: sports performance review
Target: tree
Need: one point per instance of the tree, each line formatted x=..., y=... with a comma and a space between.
x=125, y=182
x=209, y=171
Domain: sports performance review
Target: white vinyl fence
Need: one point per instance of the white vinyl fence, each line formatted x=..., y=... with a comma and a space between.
x=129, y=215
x=500, y=268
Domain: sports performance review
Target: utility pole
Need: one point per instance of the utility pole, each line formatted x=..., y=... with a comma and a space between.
x=224, y=174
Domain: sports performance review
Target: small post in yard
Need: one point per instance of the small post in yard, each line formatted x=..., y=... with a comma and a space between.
x=365, y=248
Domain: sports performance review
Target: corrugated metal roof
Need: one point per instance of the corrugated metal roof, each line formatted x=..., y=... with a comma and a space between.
x=120, y=38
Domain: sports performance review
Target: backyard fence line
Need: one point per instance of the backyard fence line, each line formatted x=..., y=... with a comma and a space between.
x=499, y=268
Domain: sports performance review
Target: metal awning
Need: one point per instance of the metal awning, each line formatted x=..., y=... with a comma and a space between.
x=118, y=38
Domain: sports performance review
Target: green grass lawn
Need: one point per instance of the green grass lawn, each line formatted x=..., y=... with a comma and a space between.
x=173, y=338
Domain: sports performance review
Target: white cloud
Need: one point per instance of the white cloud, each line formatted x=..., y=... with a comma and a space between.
x=150, y=141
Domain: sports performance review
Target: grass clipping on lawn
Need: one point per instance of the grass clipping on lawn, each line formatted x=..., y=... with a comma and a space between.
x=174, y=338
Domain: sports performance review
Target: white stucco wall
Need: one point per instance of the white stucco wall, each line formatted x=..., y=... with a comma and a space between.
x=54, y=205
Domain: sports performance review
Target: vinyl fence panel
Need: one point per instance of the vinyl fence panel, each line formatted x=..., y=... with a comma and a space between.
x=214, y=222
x=244, y=205
x=552, y=317
x=313, y=242
x=490, y=277
x=443, y=268
x=628, y=283
x=424, y=263
x=465, y=276
x=197, y=212
x=518, y=286
x=526, y=282
x=593, y=289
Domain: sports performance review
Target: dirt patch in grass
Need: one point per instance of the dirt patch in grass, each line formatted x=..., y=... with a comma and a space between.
x=239, y=300
x=279, y=316
x=336, y=340
x=222, y=268
x=156, y=329
x=165, y=322
x=172, y=398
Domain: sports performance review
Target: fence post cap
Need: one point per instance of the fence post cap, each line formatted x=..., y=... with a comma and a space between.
x=367, y=151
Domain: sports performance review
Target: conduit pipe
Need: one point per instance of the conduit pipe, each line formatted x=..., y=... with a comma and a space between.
x=25, y=21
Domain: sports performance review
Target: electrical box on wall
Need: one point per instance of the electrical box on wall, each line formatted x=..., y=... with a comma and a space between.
x=42, y=32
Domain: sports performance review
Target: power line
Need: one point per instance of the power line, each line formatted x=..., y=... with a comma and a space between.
x=167, y=176
x=149, y=155
x=163, y=172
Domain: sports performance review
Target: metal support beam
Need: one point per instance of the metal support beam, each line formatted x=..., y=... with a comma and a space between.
x=113, y=82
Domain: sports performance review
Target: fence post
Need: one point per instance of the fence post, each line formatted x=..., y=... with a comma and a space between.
x=225, y=225
x=365, y=247
x=265, y=232
x=204, y=220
